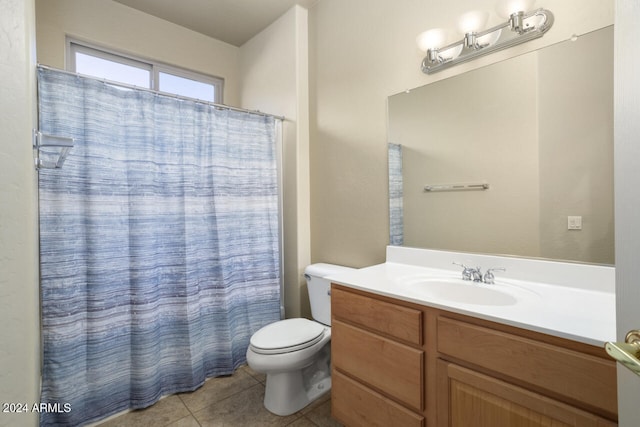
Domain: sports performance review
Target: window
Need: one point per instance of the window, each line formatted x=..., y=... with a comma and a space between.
x=96, y=62
x=187, y=87
x=111, y=67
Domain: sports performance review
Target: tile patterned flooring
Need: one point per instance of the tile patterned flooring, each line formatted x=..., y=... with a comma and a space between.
x=229, y=401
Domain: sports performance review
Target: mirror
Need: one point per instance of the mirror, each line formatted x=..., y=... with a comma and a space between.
x=538, y=129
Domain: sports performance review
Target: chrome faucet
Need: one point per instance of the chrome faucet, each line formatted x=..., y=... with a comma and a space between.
x=476, y=275
x=469, y=273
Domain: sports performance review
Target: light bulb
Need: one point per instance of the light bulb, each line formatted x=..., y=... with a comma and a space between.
x=473, y=21
x=431, y=39
x=506, y=8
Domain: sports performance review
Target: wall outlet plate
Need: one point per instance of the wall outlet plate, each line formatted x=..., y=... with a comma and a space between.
x=574, y=223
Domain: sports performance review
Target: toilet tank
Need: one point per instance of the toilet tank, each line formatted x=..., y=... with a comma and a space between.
x=319, y=289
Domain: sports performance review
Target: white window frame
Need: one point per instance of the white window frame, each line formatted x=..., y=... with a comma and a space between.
x=154, y=67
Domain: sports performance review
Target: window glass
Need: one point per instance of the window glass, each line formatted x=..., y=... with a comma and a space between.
x=104, y=64
x=111, y=70
x=186, y=87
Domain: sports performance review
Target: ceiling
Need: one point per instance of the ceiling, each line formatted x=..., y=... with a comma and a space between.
x=231, y=21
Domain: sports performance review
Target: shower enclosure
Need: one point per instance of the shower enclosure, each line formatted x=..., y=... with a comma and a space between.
x=159, y=244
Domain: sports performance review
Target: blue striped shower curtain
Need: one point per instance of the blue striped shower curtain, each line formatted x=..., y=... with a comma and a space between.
x=396, y=196
x=159, y=245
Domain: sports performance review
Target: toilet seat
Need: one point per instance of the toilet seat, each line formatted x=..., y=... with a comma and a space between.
x=286, y=336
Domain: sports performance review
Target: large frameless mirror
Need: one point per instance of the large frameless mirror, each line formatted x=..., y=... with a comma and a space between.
x=537, y=130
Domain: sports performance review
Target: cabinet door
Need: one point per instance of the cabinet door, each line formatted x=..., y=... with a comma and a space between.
x=577, y=378
x=470, y=399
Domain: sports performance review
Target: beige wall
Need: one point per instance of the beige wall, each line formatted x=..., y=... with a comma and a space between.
x=19, y=303
x=118, y=27
x=362, y=52
x=274, y=73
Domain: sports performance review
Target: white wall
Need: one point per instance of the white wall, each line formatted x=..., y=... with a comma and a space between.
x=363, y=51
x=19, y=303
x=274, y=72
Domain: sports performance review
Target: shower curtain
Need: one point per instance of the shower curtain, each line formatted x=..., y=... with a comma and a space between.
x=396, y=198
x=159, y=245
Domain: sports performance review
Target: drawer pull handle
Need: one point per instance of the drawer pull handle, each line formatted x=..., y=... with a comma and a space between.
x=628, y=352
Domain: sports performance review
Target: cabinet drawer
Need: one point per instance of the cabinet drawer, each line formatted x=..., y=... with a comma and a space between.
x=357, y=406
x=581, y=379
x=394, y=320
x=393, y=368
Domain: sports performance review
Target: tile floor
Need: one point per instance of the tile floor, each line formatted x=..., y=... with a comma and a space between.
x=230, y=401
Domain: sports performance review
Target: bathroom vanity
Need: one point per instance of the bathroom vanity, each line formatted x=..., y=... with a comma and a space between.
x=403, y=355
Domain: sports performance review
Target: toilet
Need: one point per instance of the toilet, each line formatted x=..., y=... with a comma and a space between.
x=295, y=354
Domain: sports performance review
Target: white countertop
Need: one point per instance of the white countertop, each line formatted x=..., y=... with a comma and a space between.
x=581, y=310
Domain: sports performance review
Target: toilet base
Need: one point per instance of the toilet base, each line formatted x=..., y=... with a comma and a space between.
x=289, y=392
x=285, y=394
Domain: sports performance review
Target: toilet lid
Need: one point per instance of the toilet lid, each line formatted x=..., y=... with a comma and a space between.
x=287, y=335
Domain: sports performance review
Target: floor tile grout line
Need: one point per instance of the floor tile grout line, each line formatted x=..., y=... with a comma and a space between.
x=223, y=400
x=191, y=412
x=300, y=416
x=257, y=382
x=189, y=409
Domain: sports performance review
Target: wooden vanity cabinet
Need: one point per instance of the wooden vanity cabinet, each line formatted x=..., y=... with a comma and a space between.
x=396, y=363
x=377, y=361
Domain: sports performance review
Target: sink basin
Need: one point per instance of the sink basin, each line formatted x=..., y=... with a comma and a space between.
x=460, y=291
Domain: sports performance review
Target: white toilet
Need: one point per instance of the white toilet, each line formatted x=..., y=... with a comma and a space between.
x=296, y=353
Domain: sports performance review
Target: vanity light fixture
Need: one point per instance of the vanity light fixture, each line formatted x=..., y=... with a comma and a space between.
x=521, y=26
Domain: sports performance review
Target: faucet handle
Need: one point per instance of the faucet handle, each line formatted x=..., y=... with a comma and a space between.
x=467, y=272
x=477, y=274
x=489, y=277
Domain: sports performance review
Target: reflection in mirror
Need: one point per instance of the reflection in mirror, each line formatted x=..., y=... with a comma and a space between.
x=538, y=128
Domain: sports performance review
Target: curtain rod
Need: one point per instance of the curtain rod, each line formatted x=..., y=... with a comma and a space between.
x=157, y=92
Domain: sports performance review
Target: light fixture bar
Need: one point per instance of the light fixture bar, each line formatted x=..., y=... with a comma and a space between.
x=507, y=37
